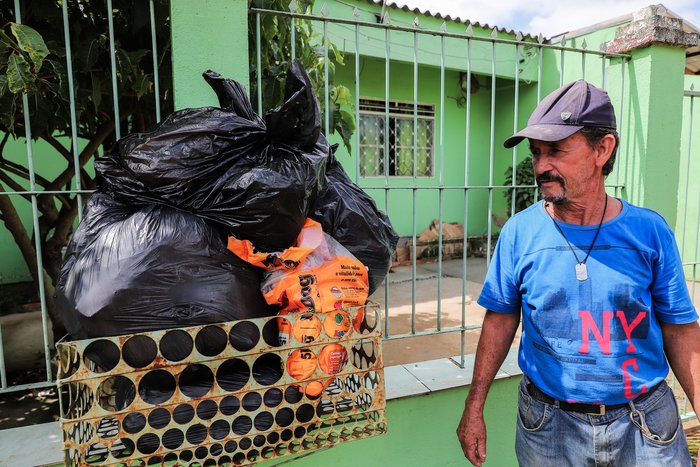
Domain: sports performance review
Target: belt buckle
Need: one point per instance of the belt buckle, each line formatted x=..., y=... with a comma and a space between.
x=601, y=411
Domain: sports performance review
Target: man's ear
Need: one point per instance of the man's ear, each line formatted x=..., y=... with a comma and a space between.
x=604, y=149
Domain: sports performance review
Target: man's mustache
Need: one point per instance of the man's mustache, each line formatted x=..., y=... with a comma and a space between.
x=547, y=177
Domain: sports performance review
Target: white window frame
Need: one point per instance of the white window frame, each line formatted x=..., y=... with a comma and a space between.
x=398, y=110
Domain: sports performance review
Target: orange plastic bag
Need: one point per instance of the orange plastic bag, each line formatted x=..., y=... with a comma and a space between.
x=317, y=275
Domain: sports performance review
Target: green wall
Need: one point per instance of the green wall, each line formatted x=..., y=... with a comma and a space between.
x=208, y=36
x=450, y=159
x=373, y=40
x=422, y=433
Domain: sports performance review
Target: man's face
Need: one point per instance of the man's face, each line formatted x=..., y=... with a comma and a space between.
x=565, y=170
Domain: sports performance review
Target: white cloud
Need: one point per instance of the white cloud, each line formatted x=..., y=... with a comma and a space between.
x=548, y=17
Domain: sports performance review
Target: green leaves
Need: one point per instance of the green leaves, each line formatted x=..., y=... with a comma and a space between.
x=19, y=76
x=341, y=95
x=30, y=42
x=524, y=175
x=142, y=85
x=96, y=91
x=276, y=56
x=16, y=55
x=5, y=42
x=34, y=62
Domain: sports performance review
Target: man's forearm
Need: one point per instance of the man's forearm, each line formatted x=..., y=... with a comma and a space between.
x=682, y=347
x=497, y=333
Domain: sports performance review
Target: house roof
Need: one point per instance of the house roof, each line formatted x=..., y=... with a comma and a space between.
x=692, y=54
x=456, y=19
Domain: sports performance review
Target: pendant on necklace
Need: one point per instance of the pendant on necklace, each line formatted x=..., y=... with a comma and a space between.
x=581, y=271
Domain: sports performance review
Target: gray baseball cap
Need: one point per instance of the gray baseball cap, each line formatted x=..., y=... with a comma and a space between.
x=565, y=111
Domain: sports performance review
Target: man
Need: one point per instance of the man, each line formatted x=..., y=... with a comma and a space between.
x=600, y=287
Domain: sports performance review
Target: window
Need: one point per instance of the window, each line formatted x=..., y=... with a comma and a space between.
x=400, y=138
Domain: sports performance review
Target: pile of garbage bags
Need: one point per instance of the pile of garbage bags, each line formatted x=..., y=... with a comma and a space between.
x=316, y=275
x=151, y=250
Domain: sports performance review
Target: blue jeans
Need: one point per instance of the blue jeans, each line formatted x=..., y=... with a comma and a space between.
x=648, y=433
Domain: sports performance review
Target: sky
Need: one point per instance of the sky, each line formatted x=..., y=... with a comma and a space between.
x=548, y=17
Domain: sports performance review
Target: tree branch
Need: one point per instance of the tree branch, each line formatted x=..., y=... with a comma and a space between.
x=13, y=185
x=93, y=145
x=59, y=147
x=53, y=246
x=26, y=247
x=49, y=215
x=21, y=171
x=88, y=182
x=19, y=233
x=3, y=143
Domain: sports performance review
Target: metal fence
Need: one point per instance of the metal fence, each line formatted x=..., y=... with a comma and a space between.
x=688, y=224
x=550, y=65
x=26, y=179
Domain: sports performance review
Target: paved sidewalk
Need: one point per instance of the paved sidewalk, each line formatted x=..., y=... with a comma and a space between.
x=428, y=286
x=31, y=446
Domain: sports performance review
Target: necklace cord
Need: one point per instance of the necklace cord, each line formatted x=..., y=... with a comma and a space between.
x=595, y=237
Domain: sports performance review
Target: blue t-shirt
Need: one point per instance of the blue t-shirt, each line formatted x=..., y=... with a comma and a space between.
x=598, y=340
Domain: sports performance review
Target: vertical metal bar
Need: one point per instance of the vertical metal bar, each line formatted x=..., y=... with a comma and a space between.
x=154, y=46
x=695, y=269
x=357, y=96
x=687, y=181
x=465, y=239
x=73, y=117
x=258, y=71
x=539, y=92
x=386, y=280
x=3, y=373
x=604, y=71
x=583, y=64
x=113, y=58
x=514, y=173
x=492, y=134
x=414, y=191
x=442, y=178
x=387, y=98
x=387, y=66
x=326, y=97
x=697, y=242
x=539, y=74
x=35, y=219
x=561, y=60
x=293, y=24
x=620, y=118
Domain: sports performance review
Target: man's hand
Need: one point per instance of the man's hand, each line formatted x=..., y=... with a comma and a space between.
x=497, y=334
x=471, y=433
x=682, y=347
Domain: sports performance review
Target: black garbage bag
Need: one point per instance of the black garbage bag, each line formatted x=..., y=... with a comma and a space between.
x=226, y=165
x=132, y=270
x=350, y=216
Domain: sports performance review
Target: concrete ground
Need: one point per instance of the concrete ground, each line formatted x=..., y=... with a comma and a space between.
x=401, y=321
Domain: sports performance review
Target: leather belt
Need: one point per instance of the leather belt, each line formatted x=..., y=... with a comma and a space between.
x=590, y=409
